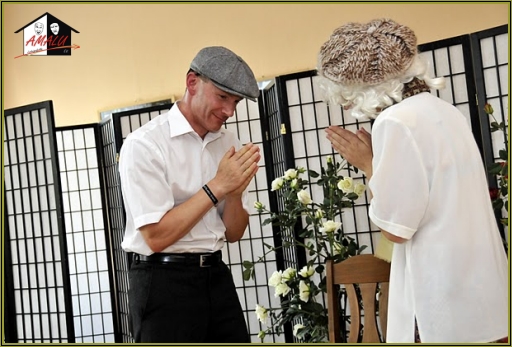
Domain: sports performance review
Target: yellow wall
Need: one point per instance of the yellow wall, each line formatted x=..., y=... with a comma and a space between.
x=136, y=53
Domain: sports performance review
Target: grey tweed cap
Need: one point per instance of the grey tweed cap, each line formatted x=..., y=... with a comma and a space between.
x=228, y=71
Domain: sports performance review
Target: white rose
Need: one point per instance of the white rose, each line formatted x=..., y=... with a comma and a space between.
x=330, y=226
x=329, y=160
x=277, y=183
x=359, y=189
x=307, y=271
x=258, y=205
x=261, y=335
x=346, y=185
x=275, y=279
x=261, y=313
x=288, y=274
x=303, y=291
x=282, y=289
x=290, y=174
x=296, y=328
x=294, y=183
x=319, y=214
x=304, y=197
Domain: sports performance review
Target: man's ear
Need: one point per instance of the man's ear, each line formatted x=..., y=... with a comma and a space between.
x=192, y=82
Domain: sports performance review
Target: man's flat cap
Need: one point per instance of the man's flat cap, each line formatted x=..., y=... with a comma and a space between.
x=227, y=71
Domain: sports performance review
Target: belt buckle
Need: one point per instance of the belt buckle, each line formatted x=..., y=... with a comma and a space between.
x=202, y=260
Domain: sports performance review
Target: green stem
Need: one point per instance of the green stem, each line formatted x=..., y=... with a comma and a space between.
x=495, y=120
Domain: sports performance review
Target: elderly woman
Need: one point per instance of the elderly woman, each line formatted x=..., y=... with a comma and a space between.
x=449, y=278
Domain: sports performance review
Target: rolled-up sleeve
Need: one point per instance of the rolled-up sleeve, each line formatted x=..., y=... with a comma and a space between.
x=399, y=183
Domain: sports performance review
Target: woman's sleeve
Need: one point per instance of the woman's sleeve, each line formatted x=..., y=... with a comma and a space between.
x=399, y=183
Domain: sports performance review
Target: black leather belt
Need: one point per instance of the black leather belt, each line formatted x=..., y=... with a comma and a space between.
x=195, y=259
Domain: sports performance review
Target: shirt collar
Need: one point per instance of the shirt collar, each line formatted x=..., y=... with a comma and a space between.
x=179, y=125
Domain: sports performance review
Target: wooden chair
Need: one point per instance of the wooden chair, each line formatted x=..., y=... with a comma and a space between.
x=367, y=272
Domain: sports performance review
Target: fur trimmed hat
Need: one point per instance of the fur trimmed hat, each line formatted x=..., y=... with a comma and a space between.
x=367, y=54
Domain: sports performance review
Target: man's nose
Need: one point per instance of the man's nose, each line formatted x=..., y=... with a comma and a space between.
x=229, y=109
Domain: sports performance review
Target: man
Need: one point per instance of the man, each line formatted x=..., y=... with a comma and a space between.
x=184, y=180
x=430, y=195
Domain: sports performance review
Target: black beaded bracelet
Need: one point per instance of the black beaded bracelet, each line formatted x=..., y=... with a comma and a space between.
x=210, y=195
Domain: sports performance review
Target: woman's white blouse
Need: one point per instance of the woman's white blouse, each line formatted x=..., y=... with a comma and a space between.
x=429, y=186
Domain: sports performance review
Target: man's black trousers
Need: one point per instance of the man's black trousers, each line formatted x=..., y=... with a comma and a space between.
x=184, y=303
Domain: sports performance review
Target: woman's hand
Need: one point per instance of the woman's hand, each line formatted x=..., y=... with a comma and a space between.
x=356, y=147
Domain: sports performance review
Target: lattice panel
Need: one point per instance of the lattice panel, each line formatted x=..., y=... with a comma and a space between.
x=494, y=54
x=36, y=233
x=116, y=221
x=246, y=124
x=309, y=116
x=85, y=234
x=114, y=130
x=448, y=62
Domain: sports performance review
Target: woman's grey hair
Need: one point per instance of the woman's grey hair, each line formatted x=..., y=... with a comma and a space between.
x=367, y=101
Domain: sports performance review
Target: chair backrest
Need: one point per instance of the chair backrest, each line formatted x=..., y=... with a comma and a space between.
x=366, y=271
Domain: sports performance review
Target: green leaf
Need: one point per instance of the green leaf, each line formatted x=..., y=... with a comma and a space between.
x=494, y=168
x=247, y=264
x=352, y=196
x=247, y=274
x=266, y=221
x=313, y=173
x=267, y=245
x=495, y=126
x=497, y=204
x=352, y=249
x=319, y=269
x=313, y=306
x=503, y=154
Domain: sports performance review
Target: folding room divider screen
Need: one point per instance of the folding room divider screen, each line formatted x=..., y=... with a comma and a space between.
x=64, y=270
x=36, y=273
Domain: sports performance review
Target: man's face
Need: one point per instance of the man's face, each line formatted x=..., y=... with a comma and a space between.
x=211, y=106
x=38, y=27
x=55, y=28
